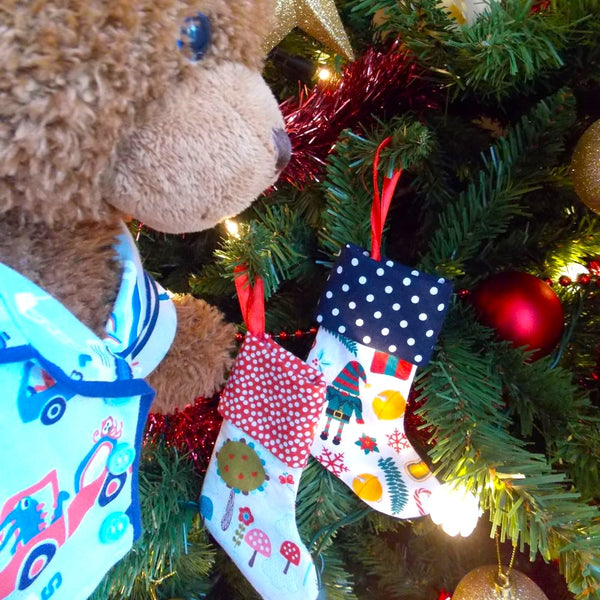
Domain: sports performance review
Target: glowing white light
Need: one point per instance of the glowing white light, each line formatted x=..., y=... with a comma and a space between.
x=324, y=74
x=573, y=270
x=455, y=509
x=232, y=227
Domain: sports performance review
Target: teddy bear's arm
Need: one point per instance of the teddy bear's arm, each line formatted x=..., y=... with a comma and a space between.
x=198, y=360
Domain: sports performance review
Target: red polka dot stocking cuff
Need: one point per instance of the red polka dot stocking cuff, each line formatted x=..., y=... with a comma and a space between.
x=275, y=398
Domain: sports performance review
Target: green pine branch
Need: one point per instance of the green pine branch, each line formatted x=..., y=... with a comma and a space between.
x=413, y=562
x=173, y=552
x=338, y=579
x=272, y=247
x=212, y=281
x=349, y=181
x=322, y=499
x=484, y=211
x=507, y=50
x=577, y=242
x=543, y=397
x=347, y=215
x=527, y=500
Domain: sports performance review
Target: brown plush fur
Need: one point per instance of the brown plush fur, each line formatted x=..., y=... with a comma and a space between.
x=101, y=116
x=189, y=134
x=77, y=266
x=201, y=353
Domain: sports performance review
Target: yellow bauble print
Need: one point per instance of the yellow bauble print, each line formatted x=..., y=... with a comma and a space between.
x=418, y=470
x=367, y=487
x=389, y=405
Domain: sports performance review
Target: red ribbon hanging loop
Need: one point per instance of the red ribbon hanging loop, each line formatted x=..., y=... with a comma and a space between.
x=381, y=203
x=252, y=300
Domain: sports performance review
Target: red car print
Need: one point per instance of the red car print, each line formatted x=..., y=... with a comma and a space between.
x=30, y=538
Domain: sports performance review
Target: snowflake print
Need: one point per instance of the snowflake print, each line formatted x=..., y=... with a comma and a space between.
x=398, y=441
x=333, y=461
x=367, y=444
x=321, y=361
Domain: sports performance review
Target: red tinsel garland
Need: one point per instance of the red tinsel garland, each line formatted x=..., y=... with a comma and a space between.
x=540, y=5
x=377, y=82
x=192, y=431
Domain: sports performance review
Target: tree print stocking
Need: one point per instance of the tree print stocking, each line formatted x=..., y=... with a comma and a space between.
x=379, y=322
x=270, y=405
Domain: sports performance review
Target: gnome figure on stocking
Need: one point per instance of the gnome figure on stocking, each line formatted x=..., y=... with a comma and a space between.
x=343, y=399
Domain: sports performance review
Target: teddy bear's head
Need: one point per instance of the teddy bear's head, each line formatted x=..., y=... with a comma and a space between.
x=153, y=109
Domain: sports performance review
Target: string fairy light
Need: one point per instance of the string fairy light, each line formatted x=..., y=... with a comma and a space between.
x=455, y=509
x=324, y=74
x=232, y=227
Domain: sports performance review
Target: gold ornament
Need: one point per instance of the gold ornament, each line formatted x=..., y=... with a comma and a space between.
x=493, y=583
x=586, y=167
x=483, y=584
x=318, y=18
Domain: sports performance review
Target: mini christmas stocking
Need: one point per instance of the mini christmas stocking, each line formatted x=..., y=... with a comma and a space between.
x=270, y=405
x=379, y=322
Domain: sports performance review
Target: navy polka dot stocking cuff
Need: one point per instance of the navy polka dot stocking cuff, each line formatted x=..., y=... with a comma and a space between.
x=384, y=305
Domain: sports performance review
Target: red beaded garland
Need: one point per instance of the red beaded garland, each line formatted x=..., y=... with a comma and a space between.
x=584, y=279
x=522, y=309
x=564, y=280
x=594, y=267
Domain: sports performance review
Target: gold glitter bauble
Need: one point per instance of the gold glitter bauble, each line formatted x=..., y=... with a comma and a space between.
x=482, y=584
x=586, y=167
x=318, y=18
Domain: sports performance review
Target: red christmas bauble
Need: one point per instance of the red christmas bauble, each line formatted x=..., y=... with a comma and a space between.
x=522, y=309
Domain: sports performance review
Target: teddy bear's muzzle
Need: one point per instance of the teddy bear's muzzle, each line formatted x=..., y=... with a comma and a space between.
x=283, y=147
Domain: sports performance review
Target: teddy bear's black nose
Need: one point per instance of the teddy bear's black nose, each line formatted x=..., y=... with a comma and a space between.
x=283, y=147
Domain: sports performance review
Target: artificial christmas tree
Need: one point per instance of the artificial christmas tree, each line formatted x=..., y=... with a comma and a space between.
x=484, y=119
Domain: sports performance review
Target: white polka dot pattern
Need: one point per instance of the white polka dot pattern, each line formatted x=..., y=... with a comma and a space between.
x=275, y=398
x=384, y=305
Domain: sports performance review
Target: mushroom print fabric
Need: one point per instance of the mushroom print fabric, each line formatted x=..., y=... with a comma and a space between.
x=270, y=405
x=379, y=321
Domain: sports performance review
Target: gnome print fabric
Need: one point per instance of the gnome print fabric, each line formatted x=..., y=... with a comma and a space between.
x=379, y=321
x=71, y=420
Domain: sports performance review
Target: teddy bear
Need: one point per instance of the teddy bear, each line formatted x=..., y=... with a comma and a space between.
x=106, y=114
x=111, y=110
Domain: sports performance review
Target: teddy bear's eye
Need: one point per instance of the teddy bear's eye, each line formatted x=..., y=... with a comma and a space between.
x=195, y=36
